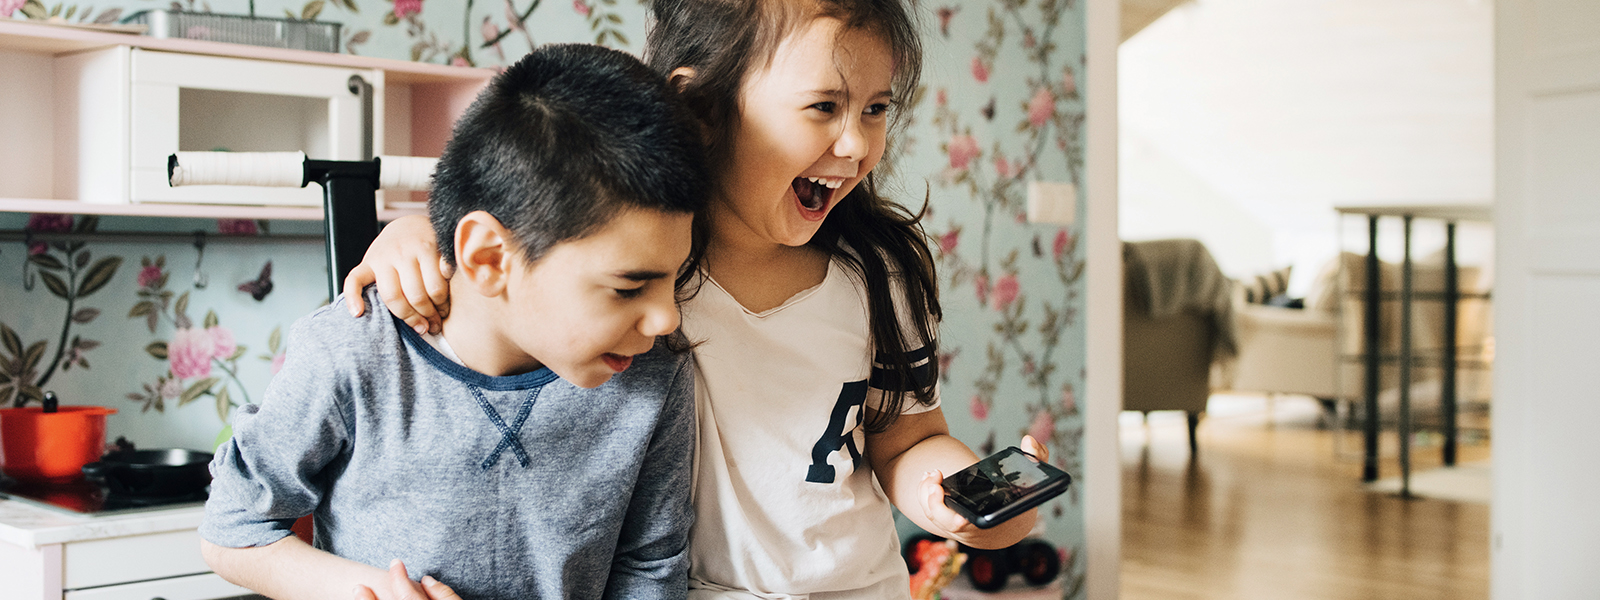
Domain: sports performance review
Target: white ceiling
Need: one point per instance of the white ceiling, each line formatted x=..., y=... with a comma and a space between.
x=1280, y=109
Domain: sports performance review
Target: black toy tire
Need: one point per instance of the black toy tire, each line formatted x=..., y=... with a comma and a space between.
x=1038, y=562
x=987, y=571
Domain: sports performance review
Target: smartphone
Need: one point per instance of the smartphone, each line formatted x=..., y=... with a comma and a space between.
x=1003, y=486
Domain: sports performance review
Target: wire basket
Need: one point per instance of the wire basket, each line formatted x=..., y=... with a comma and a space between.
x=239, y=29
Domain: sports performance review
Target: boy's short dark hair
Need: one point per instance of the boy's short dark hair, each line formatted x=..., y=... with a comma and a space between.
x=563, y=141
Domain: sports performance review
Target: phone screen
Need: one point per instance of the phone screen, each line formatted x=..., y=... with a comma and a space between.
x=1001, y=480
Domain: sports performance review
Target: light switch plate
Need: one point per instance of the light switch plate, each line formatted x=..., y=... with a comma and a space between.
x=1052, y=202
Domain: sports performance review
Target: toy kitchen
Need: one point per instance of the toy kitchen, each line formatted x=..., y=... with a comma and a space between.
x=93, y=120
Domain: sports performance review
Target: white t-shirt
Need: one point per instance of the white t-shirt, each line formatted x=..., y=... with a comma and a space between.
x=786, y=504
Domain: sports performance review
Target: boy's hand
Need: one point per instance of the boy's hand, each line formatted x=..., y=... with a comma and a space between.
x=413, y=280
x=402, y=588
x=999, y=536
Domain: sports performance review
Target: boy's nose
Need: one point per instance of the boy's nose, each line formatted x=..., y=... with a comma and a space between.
x=661, y=318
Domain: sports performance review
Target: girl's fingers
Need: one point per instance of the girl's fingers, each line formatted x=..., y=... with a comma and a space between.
x=354, y=282
x=1038, y=450
x=400, y=583
x=362, y=592
x=437, y=283
x=934, y=508
x=393, y=296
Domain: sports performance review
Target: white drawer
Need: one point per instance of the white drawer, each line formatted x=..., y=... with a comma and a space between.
x=111, y=561
x=194, y=587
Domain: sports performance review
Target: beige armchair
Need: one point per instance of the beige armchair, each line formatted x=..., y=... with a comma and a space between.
x=1177, y=320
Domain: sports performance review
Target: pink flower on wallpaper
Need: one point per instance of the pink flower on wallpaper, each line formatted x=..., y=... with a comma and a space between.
x=10, y=6
x=963, y=148
x=1005, y=291
x=277, y=362
x=948, y=241
x=49, y=223
x=459, y=61
x=941, y=98
x=149, y=275
x=1069, y=399
x=981, y=282
x=980, y=411
x=1041, y=107
x=406, y=8
x=1028, y=367
x=980, y=71
x=222, y=341
x=1028, y=41
x=1043, y=427
x=237, y=227
x=945, y=360
x=1065, y=552
x=171, y=389
x=38, y=248
x=1063, y=239
x=1069, y=81
x=580, y=7
x=190, y=352
x=1002, y=166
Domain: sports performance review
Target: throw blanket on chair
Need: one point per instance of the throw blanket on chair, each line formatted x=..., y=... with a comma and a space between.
x=1167, y=277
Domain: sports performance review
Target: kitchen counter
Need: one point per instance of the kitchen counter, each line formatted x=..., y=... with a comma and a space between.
x=29, y=526
x=51, y=555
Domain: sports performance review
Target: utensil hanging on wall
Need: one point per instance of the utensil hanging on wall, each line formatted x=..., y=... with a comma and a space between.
x=200, y=277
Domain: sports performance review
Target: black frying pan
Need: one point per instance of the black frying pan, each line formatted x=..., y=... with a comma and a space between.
x=173, y=472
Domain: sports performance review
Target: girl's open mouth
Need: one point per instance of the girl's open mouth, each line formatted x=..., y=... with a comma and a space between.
x=815, y=193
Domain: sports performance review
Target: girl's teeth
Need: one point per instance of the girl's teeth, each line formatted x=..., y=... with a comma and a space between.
x=831, y=184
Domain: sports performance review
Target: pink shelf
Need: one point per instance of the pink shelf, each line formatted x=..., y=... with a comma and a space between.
x=17, y=34
x=186, y=211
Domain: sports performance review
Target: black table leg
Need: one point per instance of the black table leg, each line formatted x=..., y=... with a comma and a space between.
x=1369, y=468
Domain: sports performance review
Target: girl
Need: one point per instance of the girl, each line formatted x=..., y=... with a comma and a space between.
x=812, y=297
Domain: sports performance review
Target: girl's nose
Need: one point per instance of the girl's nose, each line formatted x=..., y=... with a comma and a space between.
x=852, y=142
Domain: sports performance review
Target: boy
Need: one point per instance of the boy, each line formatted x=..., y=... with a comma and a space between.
x=540, y=446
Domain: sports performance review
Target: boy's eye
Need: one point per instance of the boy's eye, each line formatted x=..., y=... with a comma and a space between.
x=629, y=293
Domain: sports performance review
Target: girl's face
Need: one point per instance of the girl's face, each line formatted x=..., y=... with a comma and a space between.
x=811, y=126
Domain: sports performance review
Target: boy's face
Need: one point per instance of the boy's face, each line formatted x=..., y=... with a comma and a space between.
x=589, y=305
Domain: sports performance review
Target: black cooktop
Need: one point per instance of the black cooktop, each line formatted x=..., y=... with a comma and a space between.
x=90, y=498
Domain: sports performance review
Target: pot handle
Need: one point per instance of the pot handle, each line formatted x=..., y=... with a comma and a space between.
x=96, y=470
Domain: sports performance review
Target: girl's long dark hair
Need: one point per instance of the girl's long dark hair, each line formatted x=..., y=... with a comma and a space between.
x=724, y=41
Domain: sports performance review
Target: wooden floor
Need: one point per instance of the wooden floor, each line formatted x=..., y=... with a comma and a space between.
x=1270, y=510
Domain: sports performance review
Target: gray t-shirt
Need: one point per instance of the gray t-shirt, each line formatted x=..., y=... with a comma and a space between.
x=514, y=487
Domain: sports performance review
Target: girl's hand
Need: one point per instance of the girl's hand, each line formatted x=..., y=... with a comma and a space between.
x=413, y=280
x=402, y=588
x=999, y=536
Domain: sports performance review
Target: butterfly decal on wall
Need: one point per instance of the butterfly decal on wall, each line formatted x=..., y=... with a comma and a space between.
x=261, y=286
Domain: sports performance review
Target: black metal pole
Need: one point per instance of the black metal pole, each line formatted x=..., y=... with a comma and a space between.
x=350, y=213
x=1405, y=364
x=1447, y=387
x=1369, y=468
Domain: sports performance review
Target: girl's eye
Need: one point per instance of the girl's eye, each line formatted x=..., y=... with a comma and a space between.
x=629, y=293
x=878, y=109
x=827, y=107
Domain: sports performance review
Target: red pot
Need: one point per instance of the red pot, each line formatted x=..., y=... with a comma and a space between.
x=38, y=446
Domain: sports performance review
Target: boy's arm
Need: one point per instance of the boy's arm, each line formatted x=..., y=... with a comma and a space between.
x=912, y=458
x=270, y=473
x=290, y=569
x=652, y=559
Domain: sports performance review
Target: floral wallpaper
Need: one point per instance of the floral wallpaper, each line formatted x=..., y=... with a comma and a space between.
x=174, y=333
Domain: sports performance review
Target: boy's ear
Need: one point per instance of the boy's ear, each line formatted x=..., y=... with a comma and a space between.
x=483, y=252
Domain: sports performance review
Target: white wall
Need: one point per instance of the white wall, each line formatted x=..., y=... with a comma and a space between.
x=1245, y=121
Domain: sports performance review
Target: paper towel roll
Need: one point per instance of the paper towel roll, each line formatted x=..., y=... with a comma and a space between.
x=406, y=172
x=264, y=169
